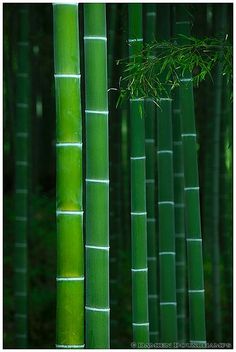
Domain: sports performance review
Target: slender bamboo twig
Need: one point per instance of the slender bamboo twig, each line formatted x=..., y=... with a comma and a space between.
x=168, y=311
x=70, y=256
x=22, y=180
x=138, y=195
x=192, y=204
x=97, y=178
x=150, y=146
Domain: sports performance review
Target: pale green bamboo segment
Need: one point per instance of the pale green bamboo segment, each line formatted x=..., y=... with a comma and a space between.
x=69, y=205
x=180, y=241
x=192, y=202
x=21, y=180
x=150, y=144
x=138, y=194
x=97, y=178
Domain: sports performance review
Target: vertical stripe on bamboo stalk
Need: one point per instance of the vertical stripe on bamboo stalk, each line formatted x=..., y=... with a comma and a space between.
x=138, y=194
x=21, y=179
x=150, y=146
x=180, y=242
x=97, y=178
x=192, y=202
x=166, y=220
x=70, y=252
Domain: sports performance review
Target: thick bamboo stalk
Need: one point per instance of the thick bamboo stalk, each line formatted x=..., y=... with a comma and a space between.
x=70, y=256
x=192, y=203
x=150, y=146
x=138, y=195
x=166, y=220
x=181, y=287
x=97, y=178
x=21, y=180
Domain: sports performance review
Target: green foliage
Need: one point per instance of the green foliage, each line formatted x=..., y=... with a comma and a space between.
x=162, y=65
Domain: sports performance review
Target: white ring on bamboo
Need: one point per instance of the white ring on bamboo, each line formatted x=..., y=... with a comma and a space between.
x=70, y=346
x=69, y=212
x=23, y=191
x=151, y=13
x=98, y=309
x=135, y=40
x=179, y=174
x=196, y=291
x=79, y=145
x=151, y=219
x=186, y=79
x=144, y=269
x=139, y=213
x=22, y=134
x=102, y=112
x=96, y=180
x=191, y=188
x=151, y=258
x=150, y=180
x=95, y=38
x=163, y=99
x=20, y=245
x=153, y=296
x=98, y=247
x=138, y=157
x=164, y=151
x=168, y=303
x=136, y=99
x=149, y=140
x=194, y=239
x=188, y=134
x=22, y=105
x=81, y=278
x=140, y=324
x=67, y=75
x=179, y=290
x=197, y=341
x=179, y=205
x=21, y=218
x=21, y=163
x=166, y=253
x=166, y=202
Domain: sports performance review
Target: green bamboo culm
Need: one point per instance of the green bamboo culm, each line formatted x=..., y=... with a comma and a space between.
x=196, y=294
x=166, y=219
x=97, y=178
x=69, y=207
x=21, y=179
x=138, y=194
x=150, y=146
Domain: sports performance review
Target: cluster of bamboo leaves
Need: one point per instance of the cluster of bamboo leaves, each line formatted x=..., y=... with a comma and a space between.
x=143, y=72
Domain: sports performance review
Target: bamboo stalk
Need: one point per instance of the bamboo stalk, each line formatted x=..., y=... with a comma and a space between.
x=150, y=146
x=70, y=256
x=166, y=220
x=97, y=178
x=22, y=181
x=192, y=203
x=138, y=195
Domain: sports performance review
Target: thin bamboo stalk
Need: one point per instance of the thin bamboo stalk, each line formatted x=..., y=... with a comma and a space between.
x=150, y=146
x=138, y=195
x=192, y=203
x=166, y=220
x=69, y=205
x=22, y=180
x=97, y=178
